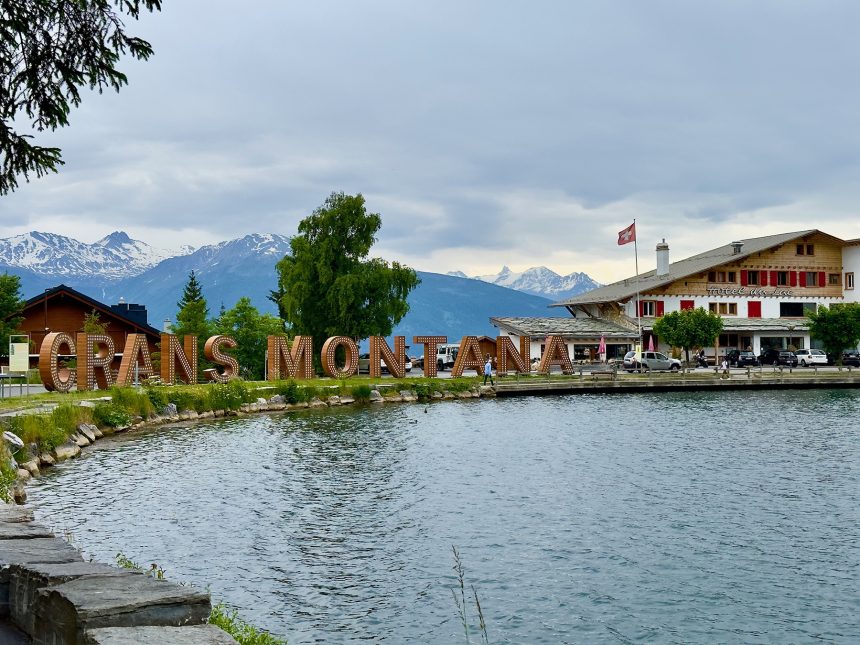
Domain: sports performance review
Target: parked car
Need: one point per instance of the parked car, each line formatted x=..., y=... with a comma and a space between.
x=445, y=356
x=786, y=358
x=849, y=357
x=769, y=356
x=738, y=358
x=650, y=361
x=808, y=357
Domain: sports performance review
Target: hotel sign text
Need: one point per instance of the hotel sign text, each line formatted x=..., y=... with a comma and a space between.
x=745, y=291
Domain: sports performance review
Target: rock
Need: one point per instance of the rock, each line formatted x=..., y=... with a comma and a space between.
x=333, y=400
x=316, y=403
x=487, y=391
x=87, y=430
x=375, y=397
x=189, y=635
x=448, y=395
x=65, y=612
x=346, y=400
x=261, y=401
x=208, y=414
x=27, y=551
x=66, y=451
x=436, y=394
x=26, y=580
x=393, y=398
x=87, y=404
x=96, y=431
x=188, y=415
x=18, y=493
x=81, y=440
x=170, y=410
x=14, y=514
x=278, y=398
x=31, y=466
x=277, y=406
x=23, y=475
x=23, y=531
x=465, y=394
x=408, y=396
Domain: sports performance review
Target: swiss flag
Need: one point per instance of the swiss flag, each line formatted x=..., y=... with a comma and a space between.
x=627, y=235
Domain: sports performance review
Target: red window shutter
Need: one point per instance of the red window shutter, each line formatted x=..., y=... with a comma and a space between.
x=660, y=309
x=641, y=308
x=744, y=278
x=792, y=278
x=686, y=304
x=762, y=275
x=753, y=309
x=774, y=280
x=822, y=279
x=802, y=278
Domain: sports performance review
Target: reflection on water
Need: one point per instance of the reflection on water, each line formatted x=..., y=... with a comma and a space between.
x=728, y=517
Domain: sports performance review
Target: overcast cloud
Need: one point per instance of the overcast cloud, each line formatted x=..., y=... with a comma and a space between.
x=485, y=133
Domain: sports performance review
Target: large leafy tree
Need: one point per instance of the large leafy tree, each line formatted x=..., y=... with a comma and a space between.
x=192, y=317
x=689, y=328
x=11, y=307
x=49, y=51
x=250, y=329
x=328, y=286
x=837, y=327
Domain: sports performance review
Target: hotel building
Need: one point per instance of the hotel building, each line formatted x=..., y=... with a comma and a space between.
x=761, y=287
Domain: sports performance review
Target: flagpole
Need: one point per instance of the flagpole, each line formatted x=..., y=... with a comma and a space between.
x=638, y=305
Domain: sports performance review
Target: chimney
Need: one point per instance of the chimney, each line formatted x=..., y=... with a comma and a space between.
x=167, y=326
x=736, y=248
x=663, y=258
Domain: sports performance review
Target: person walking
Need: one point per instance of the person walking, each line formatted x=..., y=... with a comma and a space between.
x=488, y=371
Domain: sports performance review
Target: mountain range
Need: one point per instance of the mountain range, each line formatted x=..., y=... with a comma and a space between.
x=118, y=267
x=539, y=281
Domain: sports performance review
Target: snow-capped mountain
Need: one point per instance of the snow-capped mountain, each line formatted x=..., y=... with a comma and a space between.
x=539, y=281
x=114, y=256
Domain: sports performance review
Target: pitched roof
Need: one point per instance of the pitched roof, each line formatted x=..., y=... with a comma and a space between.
x=91, y=302
x=627, y=288
x=566, y=327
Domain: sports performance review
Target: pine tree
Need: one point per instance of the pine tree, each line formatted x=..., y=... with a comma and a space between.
x=192, y=317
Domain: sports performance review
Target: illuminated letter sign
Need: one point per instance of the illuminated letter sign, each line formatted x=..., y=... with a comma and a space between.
x=468, y=357
x=297, y=362
x=212, y=352
x=521, y=359
x=94, y=359
x=431, y=345
x=555, y=353
x=173, y=356
x=395, y=361
x=135, y=345
x=53, y=376
x=328, y=361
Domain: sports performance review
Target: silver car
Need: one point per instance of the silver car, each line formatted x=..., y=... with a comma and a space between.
x=650, y=361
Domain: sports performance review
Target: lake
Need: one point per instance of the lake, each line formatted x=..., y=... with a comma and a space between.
x=655, y=518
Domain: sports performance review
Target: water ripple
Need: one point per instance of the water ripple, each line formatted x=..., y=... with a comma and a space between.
x=601, y=519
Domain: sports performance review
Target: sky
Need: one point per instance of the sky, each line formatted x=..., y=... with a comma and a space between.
x=484, y=133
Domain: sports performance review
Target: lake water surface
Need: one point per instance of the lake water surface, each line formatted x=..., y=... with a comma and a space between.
x=693, y=518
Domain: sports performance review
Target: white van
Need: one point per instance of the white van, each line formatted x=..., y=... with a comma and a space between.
x=445, y=356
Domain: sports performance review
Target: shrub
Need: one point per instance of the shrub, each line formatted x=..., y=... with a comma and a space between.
x=40, y=429
x=136, y=402
x=68, y=417
x=157, y=396
x=8, y=474
x=228, y=396
x=110, y=415
x=361, y=392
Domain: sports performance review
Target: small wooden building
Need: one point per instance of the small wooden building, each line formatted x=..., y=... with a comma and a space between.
x=62, y=309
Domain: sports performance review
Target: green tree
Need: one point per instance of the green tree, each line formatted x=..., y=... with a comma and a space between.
x=837, y=327
x=192, y=317
x=689, y=328
x=49, y=51
x=11, y=308
x=93, y=323
x=249, y=328
x=327, y=284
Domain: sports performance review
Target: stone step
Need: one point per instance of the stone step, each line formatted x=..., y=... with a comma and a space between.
x=64, y=612
x=191, y=635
